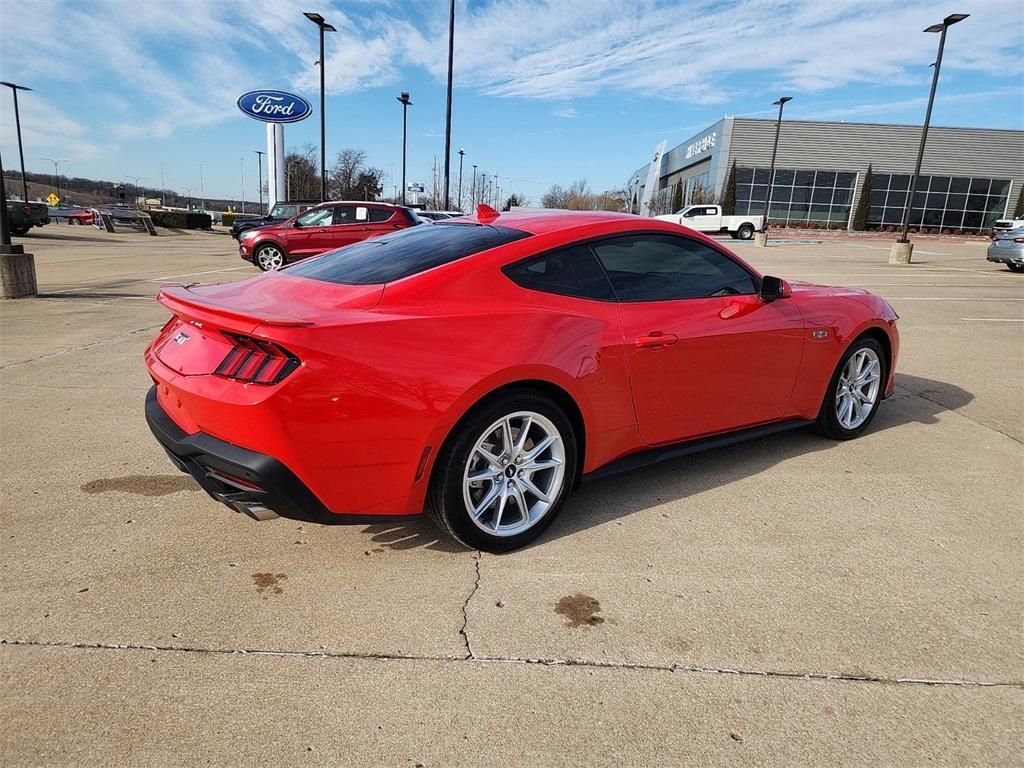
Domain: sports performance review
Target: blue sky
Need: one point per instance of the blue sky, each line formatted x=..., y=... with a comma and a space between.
x=545, y=91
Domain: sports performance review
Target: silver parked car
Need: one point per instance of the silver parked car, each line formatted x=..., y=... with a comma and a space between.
x=1008, y=248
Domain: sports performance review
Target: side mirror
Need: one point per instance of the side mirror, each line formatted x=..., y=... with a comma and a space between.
x=773, y=288
x=297, y=224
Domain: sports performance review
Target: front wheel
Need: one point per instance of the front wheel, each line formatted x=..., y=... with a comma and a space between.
x=269, y=257
x=745, y=232
x=19, y=230
x=505, y=474
x=854, y=391
x=1016, y=267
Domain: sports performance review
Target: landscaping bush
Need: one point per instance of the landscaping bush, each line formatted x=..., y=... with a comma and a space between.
x=181, y=219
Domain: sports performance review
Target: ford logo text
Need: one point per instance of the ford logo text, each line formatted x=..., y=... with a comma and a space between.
x=274, y=106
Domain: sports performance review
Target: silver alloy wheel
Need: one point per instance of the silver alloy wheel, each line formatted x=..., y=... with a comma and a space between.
x=857, y=392
x=270, y=257
x=514, y=474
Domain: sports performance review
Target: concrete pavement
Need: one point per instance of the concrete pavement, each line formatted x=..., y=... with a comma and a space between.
x=786, y=601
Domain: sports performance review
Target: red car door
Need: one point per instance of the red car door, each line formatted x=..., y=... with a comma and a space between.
x=384, y=220
x=349, y=225
x=705, y=354
x=306, y=235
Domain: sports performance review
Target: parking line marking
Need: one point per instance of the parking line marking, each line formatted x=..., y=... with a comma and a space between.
x=995, y=319
x=190, y=274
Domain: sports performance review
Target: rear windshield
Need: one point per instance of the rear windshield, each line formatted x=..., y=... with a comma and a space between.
x=406, y=252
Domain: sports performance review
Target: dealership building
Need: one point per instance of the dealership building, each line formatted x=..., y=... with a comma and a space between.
x=969, y=177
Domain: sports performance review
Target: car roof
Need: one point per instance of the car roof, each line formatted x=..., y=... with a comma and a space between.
x=364, y=203
x=542, y=221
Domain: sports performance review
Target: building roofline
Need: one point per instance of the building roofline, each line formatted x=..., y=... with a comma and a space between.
x=874, y=124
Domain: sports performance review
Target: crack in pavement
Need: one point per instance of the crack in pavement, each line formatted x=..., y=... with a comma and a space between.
x=539, y=661
x=464, y=630
x=80, y=347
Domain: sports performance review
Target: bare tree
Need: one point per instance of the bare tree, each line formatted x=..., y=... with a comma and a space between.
x=302, y=173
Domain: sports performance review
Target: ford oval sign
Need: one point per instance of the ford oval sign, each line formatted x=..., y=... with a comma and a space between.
x=274, y=106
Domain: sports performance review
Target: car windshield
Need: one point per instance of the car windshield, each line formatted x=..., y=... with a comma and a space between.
x=406, y=252
x=283, y=211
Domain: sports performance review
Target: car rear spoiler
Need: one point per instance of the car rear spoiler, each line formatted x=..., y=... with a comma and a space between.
x=182, y=301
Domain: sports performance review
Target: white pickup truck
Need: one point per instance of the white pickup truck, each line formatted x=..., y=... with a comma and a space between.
x=709, y=218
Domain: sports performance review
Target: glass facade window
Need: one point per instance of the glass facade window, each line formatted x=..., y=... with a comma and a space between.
x=799, y=198
x=953, y=203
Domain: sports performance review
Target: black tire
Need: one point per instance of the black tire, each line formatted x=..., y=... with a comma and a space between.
x=828, y=423
x=732, y=235
x=263, y=250
x=446, y=504
x=1016, y=267
x=745, y=231
x=19, y=231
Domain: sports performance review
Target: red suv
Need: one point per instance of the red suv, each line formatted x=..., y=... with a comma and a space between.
x=320, y=229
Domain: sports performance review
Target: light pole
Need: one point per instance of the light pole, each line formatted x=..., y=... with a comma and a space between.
x=903, y=248
x=259, y=160
x=163, y=188
x=242, y=172
x=448, y=109
x=188, y=205
x=137, y=179
x=323, y=26
x=472, y=189
x=17, y=124
x=763, y=237
x=56, y=178
x=404, y=99
x=462, y=153
x=202, y=188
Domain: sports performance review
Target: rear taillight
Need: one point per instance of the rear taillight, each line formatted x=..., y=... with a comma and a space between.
x=256, y=361
x=1018, y=239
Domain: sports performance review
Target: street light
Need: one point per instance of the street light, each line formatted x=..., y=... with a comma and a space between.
x=404, y=100
x=771, y=171
x=903, y=248
x=259, y=160
x=448, y=109
x=462, y=154
x=17, y=124
x=323, y=26
x=56, y=178
x=137, y=179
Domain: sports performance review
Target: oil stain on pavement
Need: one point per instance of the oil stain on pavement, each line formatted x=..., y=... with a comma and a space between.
x=580, y=610
x=143, y=485
x=269, y=581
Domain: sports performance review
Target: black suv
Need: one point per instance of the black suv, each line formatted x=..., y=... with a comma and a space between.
x=280, y=212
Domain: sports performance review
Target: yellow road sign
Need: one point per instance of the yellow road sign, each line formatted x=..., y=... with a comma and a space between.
x=52, y=199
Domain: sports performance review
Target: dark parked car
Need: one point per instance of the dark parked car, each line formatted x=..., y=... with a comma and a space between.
x=280, y=212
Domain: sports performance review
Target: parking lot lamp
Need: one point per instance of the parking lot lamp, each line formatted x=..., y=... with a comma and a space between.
x=903, y=248
x=404, y=100
x=448, y=109
x=781, y=103
x=56, y=178
x=323, y=26
x=462, y=154
x=259, y=174
x=17, y=126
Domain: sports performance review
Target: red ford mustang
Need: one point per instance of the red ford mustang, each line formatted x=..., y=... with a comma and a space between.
x=480, y=367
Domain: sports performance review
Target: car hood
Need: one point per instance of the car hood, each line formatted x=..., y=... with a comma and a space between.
x=813, y=289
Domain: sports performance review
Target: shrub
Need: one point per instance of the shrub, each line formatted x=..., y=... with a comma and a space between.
x=181, y=219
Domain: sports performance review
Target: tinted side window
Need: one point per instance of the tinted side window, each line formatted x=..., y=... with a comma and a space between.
x=664, y=268
x=570, y=272
x=344, y=214
x=381, y=214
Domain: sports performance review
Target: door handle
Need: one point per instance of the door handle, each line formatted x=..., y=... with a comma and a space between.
x=656, y=340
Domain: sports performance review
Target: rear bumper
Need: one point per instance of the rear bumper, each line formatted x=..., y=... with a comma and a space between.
x=244, y=480
x=1005, y=255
